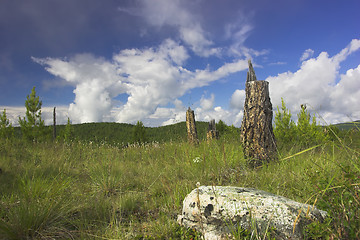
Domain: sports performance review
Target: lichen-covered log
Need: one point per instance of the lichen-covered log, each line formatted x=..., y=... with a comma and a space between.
x=220, y=211
x=212, y=133
x=191, y=127
x=257, y=134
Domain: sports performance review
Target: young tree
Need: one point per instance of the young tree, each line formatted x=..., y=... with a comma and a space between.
x=308, y=133
x=32, y=126
x=68, y=133
x=6, y=128
x=139, y=133
x=221, y=127
x=284, y=127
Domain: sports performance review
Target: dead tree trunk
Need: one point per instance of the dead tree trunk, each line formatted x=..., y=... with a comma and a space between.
x=191, y=127
x=54, y=124
x=257, y=134
x=212, y=133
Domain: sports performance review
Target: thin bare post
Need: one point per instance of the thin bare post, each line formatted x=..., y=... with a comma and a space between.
x=54, y=124
x=191, y=127
x=257, y=134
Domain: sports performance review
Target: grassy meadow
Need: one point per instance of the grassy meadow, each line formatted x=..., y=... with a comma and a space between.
x=87, y=190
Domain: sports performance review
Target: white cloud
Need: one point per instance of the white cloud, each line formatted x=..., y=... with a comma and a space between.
x=13, y=114
x=218, y=113
x=237, y=32
x=175, y=52
x=277, y=63
x=203, y=112
x=155, y=81
x=186, y=18
x=154, y=77
x=195, y=37
x=307, y=54
x=237, y=99
x=167, y=116
x=151, y=77
x=160, y=13
x=96, y=81
x=207, y=103
x=318, y=84
x=345, y=96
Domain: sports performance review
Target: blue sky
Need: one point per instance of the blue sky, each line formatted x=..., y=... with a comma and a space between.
x=130, y=60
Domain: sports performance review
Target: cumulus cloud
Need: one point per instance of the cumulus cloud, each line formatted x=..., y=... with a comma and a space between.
x=151, y=77
x=319, y=84
x=218, y=113
x=207, y=103
x=345, y=94
x=204, y=111
x=96, y=84
x=154, y=77
x=237, y=99
x=307, y=54
x=166, y=116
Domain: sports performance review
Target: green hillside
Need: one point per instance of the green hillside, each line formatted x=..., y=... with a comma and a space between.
x=348, y=125
x=122, y=133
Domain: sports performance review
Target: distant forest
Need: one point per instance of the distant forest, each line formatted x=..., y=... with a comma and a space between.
x=123, y=133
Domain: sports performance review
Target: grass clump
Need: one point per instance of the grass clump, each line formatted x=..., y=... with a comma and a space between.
x=39, y=208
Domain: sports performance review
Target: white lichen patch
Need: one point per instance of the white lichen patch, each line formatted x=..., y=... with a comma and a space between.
x=212, y=210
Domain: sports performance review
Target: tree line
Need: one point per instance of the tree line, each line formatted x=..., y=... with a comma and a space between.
x=305, y=132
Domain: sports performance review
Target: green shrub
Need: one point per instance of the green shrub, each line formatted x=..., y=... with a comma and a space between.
x=285, y=128
x=304, y=134
x=6, y=128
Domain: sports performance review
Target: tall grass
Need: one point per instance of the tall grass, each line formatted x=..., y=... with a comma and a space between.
x=98, y=191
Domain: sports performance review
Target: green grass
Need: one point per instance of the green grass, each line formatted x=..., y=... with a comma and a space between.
x=99, y=191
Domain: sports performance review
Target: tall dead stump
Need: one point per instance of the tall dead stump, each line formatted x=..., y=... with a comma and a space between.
x=257, y=134
x=191, y=127
x=54, y=124
x=212, y=133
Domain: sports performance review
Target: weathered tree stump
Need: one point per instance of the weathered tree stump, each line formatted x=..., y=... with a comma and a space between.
x=257, y=134
x=212, y=133
x=191, y=127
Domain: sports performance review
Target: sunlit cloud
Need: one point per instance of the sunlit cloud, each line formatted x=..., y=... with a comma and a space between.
x=318, y=83
x=307, y=54
x=151, y=77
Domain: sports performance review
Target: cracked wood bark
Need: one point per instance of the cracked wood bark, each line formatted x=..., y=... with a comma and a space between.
x=257, y=134
x=191, y=127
